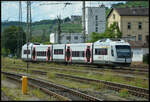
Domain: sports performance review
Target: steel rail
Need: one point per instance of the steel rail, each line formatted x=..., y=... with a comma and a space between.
x=129, y=77
x=141, y=92
x=64, y=91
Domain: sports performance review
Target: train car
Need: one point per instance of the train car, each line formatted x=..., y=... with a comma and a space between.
x=79, y=53
x=42, y=53
x=59, y=53
x=115, y=52
x=112, y=52
x=24, y=52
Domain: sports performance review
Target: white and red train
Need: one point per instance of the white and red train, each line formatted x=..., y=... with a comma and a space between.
x=103, y=52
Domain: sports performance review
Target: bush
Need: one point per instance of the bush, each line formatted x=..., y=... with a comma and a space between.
x=146, y=58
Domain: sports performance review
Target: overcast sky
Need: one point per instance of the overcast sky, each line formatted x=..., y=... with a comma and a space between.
x=10, y=9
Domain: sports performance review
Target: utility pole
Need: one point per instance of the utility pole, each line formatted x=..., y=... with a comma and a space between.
x=30, y=23
x=28, y=30
x=83, y=21
x=59, y=30
x=20, y=38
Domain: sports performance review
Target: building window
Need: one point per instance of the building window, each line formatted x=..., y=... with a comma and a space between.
x=96, y=23
x=147, y=38
x=129, y=25
x=96, y=29
x=129, y=35
x=76, y=38
x=68, y=37
x=140, y=25
x=139, y=37
x=113, y=16
x=96, y=17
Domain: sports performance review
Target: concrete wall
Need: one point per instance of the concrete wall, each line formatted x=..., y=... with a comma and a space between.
x=64, y=40
x=138, y=54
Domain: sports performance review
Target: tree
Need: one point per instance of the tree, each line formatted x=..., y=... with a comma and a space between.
x=12, y=39
x=43, y=35
x=110, y=32
x=67, y=19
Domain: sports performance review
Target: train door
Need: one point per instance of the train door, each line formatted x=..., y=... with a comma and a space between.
x=88, y=54
x=68, y=54
x=48, y=54
x=33, y=54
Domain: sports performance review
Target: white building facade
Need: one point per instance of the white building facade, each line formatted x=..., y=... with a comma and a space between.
x=95, y=20
x=67, y=38
x=138, y=54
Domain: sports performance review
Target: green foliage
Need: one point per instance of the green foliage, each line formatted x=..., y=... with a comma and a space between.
x=131, y=4
x=124, y=93
x=51, y=75
x=11, y=36
x=5, y=52
x=47, y=42
x=110, y=32
x=146, y=58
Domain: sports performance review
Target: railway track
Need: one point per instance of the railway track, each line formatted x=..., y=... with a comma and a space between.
x=136, y=91
x=61, y=92
x=128, y=77
x=141, y=69
x=141, y=92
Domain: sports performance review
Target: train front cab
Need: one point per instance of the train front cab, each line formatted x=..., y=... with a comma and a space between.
x=121, y=55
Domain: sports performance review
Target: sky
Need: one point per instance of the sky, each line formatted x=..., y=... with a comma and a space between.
x=10, y=9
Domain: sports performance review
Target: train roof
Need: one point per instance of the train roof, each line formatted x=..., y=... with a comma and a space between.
x=112, y=41
x=31, y=44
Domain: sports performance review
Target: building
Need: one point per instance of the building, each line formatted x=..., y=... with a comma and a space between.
x=132, y=22
x=67, y=38
x=95, y=20
x=75, y=17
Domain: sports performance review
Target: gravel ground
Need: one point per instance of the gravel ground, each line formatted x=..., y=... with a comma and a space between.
x=15, y=92
x=4, y=97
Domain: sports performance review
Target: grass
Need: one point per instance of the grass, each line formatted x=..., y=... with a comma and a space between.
x=107, y=76
x=51, y=75
x=123, y=93
x=41, y=95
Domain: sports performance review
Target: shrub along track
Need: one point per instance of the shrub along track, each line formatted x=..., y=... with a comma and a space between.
x=60, y=92
x=136, y=91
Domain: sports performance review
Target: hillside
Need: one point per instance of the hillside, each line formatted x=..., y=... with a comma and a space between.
x=48, y=25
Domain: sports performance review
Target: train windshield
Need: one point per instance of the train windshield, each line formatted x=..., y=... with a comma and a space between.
x=123, y=51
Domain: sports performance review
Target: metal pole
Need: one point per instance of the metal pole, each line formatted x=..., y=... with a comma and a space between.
x=83, y=21
x=30, y=22
x=59, y=29
x=28, y=2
